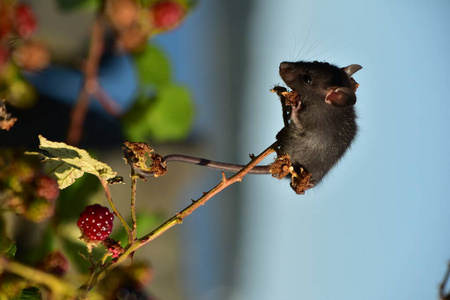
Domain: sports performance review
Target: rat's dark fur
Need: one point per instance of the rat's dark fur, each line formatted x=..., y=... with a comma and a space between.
x=319, y=131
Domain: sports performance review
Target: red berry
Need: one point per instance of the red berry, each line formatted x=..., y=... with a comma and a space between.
x=47, y=188
x=25, y=20
x=167, y=14
x=95, y=222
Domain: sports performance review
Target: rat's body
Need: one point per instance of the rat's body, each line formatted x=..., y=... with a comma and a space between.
x=320, y=121
x=323, y=123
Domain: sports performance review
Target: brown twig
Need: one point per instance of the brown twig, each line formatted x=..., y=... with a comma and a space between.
x=178, y=218
x=91, y=87
x=107, y=102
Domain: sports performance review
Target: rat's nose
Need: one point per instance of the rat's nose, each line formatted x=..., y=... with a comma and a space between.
x=285, y=65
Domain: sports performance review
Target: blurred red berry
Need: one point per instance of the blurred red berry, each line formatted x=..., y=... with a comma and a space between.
x=95, y=222
x=47, y=188
x=25, y=20
x=167, y=14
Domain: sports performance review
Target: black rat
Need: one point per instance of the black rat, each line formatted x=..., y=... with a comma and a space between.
x=322, y=123
x=319, y=117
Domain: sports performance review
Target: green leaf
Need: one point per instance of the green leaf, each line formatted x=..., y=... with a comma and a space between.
x=72, y=200
x=68, y=5
x=145, y=223
x=153, y=66
x=168, y=118
x=31, y=293
x=8, y=247
x=67, y=163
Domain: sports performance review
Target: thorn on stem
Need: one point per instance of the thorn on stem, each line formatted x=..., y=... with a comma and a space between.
x=224, y=178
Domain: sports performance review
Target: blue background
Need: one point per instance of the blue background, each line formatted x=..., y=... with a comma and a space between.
x=377, y=227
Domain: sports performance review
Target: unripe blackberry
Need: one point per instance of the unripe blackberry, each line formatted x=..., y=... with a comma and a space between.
x=55, y=263
x=39, y=210
x=47, y=187
x=95, y=223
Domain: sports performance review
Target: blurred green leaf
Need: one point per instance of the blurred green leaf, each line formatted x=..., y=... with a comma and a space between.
x=76, y=253
x=153, y=67
x=145, y=223
x=31, y=293
x=7, y=246
x=68, y=5
x=72, y=200
x=67, y=163
x=188, y=3
x=168, y=118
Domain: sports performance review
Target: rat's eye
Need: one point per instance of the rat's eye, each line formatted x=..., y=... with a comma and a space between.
x=307, y=79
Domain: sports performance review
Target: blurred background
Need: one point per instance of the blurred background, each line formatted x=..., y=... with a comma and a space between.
x=376, y=227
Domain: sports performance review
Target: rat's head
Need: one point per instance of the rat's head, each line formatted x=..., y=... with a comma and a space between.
x=320, y=81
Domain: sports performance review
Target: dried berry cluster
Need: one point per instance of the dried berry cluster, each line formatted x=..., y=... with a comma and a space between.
x=6, y=120
x=138, y=153
x=300, y=181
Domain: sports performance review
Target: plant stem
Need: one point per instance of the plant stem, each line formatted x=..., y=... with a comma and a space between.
x=57, y=286
x=91, y=86
x=178, y=218
x=134, y=178
x=105, y=185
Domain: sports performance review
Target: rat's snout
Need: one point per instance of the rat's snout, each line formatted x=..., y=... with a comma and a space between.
x=286, y=72
x=284, y=66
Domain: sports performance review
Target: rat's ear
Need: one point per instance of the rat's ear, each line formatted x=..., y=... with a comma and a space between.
x=351, y=69
x=340, y=96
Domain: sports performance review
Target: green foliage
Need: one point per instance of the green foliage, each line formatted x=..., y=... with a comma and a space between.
x=167, y=117
x=153, y=67
x=188, y=3
x=69, y=5
x=145, y=223
x=31, y=293
x=67, y=163
x=7, y=246
x=165, y=111
x=73, y=199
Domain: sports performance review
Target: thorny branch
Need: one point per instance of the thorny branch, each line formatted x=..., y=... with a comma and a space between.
x=178, y=218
